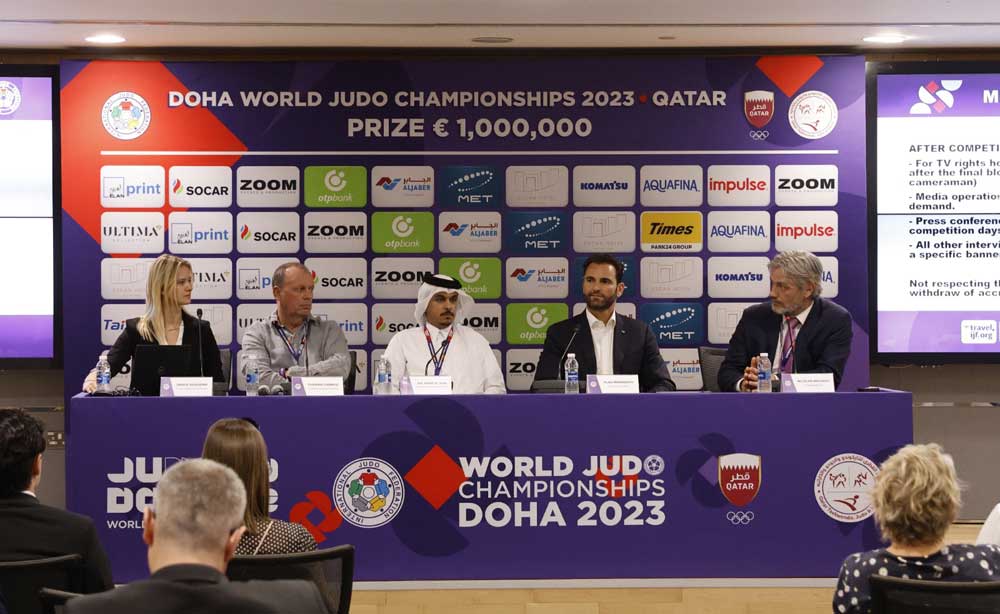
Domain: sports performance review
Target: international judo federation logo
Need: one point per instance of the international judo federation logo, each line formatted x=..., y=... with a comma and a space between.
x=844, y=485
x=368, y=492
x=126, y=116
x=10, y=98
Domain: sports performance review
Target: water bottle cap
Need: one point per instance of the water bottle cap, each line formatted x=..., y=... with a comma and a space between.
x=570, y=355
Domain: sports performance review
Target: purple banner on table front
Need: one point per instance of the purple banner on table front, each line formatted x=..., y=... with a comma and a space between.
x=681, y=525
x=26, y=336
x=33, y=95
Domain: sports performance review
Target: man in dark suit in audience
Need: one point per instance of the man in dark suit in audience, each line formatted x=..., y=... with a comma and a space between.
x=192, y=531
x=799, y=331
x=30, y=529
x=605, y=342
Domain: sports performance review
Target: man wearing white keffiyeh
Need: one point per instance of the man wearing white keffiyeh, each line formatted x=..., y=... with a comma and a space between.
x=441, y=345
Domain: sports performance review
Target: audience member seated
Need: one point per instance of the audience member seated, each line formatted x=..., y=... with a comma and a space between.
x=238, y=444
x=990, y=533
x=916, y=498
x=191, y=531
x=30, y=529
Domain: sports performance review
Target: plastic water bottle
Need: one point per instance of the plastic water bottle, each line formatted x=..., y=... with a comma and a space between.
x=383, y=377
x=253, y=375
x=405, y=387
x=103, y=374
x=572, y=374
x=763, y=373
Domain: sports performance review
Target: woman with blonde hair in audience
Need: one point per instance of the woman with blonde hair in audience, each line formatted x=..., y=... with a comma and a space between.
x=916, y=498
x=238, y=444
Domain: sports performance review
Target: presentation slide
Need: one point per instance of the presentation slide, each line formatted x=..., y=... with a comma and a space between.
x=26, y=224
x=938, y=161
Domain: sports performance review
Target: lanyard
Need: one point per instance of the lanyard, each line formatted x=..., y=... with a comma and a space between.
x=438, y=362
x=302, y=342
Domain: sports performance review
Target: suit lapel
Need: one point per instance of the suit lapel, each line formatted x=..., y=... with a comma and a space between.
x=809, y=328
x=619, y=342
x=584, y=346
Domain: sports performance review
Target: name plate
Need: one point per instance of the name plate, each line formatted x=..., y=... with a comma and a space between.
x=313, y=386
x=613, y=384
x=807, y=382
x=185, y=386
x=429, y=384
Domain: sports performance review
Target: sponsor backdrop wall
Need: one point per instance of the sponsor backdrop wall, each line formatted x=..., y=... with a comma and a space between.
x=505, y=173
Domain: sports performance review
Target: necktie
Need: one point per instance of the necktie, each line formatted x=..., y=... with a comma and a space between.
x=788, y=346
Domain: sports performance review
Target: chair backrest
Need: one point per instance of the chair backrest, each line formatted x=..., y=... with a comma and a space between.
x=53, y=601
x=711, y=361
x=20, y=581
x=331, y=569
x=226, y=355
x=352, y=373
x=899, y=596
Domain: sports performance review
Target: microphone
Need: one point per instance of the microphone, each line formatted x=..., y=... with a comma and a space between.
x=263, y=391
x=277, y=390
x=562, y=365
x=428, y=364
x=201, y=361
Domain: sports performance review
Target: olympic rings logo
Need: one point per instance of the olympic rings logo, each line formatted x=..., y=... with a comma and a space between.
x=759, y=135
x=737, y=518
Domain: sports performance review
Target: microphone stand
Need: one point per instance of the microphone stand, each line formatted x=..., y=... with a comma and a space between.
x=562, y=365
x=201, y=361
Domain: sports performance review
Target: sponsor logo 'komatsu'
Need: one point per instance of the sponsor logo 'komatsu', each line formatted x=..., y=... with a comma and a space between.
x=739, y=276
x=603, y=185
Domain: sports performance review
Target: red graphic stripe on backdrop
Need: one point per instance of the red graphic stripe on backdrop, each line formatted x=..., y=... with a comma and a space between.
x=789, y=72
x=84, y=136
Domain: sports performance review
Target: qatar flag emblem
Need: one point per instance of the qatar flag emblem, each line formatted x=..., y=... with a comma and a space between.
x=739, y=477
x=758, y=106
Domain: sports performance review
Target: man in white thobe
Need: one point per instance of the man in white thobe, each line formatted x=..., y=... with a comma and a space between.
x=440, y=345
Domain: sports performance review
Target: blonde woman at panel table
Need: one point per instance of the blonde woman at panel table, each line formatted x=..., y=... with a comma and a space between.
x=168, y=289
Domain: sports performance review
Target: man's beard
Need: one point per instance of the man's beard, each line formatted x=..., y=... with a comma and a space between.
x=600, y=303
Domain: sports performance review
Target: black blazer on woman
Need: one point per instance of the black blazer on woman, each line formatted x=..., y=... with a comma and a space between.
x=124, y=348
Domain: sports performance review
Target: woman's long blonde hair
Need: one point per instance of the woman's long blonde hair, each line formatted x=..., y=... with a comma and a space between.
x=161, y=295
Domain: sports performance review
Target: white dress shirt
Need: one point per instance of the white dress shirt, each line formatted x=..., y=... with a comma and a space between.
x=469, y=361
x=776, y=356
x=604, y=342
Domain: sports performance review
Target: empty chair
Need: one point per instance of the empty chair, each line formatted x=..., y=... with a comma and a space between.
x=711, y=360
x=898, y=596
x=21, y=581
x=332, y=570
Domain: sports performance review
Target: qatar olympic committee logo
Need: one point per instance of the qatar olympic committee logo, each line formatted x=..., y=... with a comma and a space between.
x=10, y=98
x=126, y=115
x=368, y=492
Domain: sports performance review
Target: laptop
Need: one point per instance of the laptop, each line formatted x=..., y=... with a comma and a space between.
x=151, y=362
x=554, y=386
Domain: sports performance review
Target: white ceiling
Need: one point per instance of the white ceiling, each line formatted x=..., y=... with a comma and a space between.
x=63, y=24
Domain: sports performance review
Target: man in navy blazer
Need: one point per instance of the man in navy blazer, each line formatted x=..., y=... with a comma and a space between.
x=818, y=331
x=605, y=342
